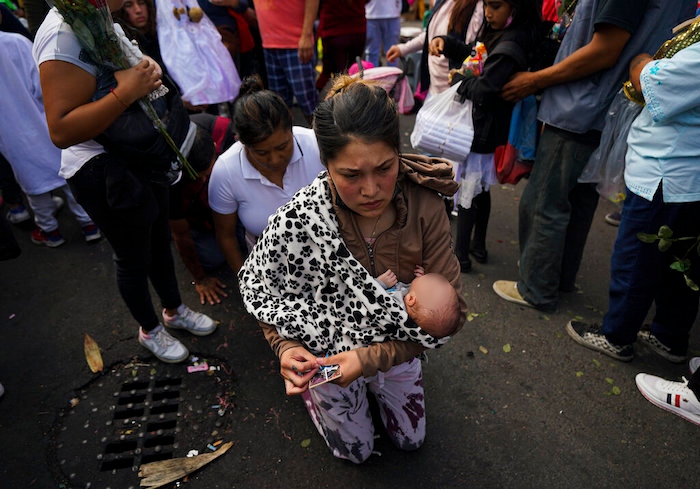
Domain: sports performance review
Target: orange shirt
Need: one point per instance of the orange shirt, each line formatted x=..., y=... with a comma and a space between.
x=280, y=22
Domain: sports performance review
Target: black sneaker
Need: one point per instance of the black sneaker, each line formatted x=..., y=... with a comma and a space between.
x=647, y=337
x=591, y=337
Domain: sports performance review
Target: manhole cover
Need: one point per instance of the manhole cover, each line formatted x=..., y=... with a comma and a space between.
x=142, y=412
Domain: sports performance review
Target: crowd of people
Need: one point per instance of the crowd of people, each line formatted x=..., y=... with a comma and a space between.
x=341, y=244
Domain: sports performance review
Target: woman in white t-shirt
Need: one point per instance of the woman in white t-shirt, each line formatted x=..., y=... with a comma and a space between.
x=270, y=162
x=122, y=186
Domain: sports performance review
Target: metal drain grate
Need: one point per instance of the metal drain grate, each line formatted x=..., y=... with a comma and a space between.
x=155, y=404
x=139, y=413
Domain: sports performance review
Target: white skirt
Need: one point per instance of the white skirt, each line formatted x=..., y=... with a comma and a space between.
x=476, y=175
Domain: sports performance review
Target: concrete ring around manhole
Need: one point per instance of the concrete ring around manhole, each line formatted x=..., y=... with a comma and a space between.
x=140, y=412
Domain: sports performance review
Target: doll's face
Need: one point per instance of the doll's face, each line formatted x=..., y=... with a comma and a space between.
x=497, y=13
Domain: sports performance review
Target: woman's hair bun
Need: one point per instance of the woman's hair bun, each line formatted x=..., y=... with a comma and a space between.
x=251, y=84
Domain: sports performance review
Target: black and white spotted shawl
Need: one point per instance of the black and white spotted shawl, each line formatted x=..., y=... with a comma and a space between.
x=301, y=278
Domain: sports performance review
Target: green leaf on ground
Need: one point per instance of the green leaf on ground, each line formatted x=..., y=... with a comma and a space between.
x=506, y=348
x=305, y=443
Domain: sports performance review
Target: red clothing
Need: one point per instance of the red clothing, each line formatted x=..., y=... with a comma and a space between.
x=549, y=10
x=341, y=17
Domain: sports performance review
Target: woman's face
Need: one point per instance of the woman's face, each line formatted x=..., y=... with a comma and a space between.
x=274, y=153
x=496, y=13
x=136, y=13
x=364, y=174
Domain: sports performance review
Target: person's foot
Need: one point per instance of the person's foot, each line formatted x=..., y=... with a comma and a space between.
x=591, y=337
x=479, y=254
x=195, y=322
x=51, y=239
x=91, y=233
x=18, y=214
x=465, y=266
x=508, y=290
x=654, y=344
x=674, y=397
x=613, y=218
x=166, y=348
x=2, y=390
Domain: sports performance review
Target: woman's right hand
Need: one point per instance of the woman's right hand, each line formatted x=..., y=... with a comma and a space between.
x=393, y=53
x=436, y=46
x=138, y=81
x=297, y=366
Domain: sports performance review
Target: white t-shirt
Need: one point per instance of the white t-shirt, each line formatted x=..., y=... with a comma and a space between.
x=383, y=9
x=55, y=41
x=236, y=186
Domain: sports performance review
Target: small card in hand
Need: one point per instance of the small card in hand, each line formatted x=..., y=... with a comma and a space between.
x=325, y=374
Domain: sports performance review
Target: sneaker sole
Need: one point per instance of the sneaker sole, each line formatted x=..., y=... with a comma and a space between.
x=693, y=418
x=93, y=237
x=196, y=333
x=50, y=244
x=166, y=360
x=578, y=339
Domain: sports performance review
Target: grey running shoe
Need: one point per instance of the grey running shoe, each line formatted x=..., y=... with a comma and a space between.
x=166, y=348
x=196, y=323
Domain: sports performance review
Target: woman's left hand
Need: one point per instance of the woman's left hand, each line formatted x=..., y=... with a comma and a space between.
x=350, y=367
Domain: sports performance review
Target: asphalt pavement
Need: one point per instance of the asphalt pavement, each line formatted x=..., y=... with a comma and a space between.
x=512, y=401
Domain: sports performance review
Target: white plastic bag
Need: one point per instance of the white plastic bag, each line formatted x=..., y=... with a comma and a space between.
x=194, y=55
x=444, y=126
x=606, y=166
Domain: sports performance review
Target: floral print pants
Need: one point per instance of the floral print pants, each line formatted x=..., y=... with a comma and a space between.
x=343, y=418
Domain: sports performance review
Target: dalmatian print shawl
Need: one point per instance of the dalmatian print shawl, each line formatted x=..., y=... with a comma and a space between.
x=301, y=278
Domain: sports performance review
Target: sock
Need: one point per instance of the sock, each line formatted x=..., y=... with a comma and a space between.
x=147, y=334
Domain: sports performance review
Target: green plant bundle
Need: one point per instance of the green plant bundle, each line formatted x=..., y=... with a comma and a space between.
x=91, y=22
x=665, y=241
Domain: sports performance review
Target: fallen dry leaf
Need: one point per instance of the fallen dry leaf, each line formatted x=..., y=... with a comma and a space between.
x=92, y=354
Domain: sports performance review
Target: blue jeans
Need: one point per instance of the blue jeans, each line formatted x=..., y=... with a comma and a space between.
x=381, y=33
x=640, y=274
x=555, y=216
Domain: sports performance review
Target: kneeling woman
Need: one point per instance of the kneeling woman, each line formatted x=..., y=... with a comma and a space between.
x=314, y=265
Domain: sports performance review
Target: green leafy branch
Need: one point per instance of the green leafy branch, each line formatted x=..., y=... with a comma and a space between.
x=665, y=241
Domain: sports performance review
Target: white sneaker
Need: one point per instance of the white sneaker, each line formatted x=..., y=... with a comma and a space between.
x=195, y=322
x=694, y=364
x=675, y=397
x=166, y=348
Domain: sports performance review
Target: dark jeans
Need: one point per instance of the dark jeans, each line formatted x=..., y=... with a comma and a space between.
x=640, y=274
x=555, y=216
x=139, y=234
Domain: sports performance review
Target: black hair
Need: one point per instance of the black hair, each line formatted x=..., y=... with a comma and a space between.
x=257, y=113
x=150, y=29
x=527, y=15
x=355, y=108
